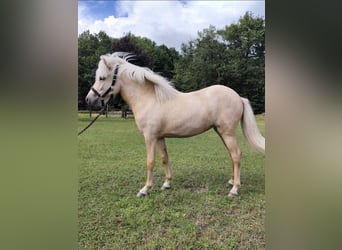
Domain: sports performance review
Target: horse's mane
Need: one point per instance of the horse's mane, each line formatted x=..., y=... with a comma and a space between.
x=163, y=88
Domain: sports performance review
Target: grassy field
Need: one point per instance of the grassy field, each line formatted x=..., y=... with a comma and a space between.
x=194, y=214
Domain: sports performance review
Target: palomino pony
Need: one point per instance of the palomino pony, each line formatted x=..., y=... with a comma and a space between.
x=161, y=111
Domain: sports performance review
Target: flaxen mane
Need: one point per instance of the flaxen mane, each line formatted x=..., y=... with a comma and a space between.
x=164, y=89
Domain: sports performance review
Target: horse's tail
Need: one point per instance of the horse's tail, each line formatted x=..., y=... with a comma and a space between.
x=250, y=129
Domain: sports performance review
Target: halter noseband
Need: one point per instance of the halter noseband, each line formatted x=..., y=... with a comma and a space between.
x=110, y=88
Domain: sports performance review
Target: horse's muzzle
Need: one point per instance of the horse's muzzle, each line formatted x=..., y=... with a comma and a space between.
x=92, y=100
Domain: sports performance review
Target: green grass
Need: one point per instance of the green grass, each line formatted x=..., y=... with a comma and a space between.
x=195, y=214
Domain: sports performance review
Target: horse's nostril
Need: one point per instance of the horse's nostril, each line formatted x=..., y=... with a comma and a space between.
x=87, y=100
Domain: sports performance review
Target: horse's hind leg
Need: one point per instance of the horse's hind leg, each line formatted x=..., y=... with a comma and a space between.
x=165, y=160
x=235, y=155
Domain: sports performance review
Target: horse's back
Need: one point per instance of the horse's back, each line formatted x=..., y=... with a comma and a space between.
x=220, y=99
x=219, y=90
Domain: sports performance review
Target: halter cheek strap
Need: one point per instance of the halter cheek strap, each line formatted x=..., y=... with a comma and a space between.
x=110, y=88
x=115, y=75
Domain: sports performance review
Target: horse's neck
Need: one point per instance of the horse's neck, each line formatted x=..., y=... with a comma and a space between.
x=137, y=95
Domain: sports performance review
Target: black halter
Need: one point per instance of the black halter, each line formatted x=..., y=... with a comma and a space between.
x=110, y=88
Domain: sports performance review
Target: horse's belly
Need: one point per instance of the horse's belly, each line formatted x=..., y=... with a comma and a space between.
x=184, y=133
x=185, y=127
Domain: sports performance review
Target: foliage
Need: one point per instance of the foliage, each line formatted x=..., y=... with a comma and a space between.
x=200, y=62
x=160, y=59
x=164, y=60
x=132, y=44
x=195, y=214
x=90, y=48
x=233, y=56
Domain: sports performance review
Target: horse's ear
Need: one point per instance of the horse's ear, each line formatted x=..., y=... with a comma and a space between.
x=106, y=63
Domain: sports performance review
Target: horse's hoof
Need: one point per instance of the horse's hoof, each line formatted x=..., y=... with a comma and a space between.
x=141, y=194
x=164, y=187
x=232, y=194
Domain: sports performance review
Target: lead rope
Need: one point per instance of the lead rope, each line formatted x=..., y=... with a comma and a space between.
x=100, y=113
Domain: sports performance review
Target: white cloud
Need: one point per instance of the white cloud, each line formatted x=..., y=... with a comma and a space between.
x=167, y=22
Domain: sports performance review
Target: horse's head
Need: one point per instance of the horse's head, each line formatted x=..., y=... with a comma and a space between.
x=107, y=80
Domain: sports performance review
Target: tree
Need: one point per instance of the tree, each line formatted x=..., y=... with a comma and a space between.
x=129, y=44
x=234, y=56
x=246, y=50
x=200, y=62
x=90, y=48
x=160, y=59
x=164, y=60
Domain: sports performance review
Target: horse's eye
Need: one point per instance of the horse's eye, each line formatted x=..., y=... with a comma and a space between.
x=102, y=78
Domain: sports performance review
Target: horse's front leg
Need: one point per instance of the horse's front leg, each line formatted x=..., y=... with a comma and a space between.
x=150, y=160
x=165, y=160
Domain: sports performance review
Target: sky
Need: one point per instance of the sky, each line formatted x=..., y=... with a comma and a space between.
x=164, y=22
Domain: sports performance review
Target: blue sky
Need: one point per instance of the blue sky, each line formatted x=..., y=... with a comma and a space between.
x=102, y=9
x=165, y=22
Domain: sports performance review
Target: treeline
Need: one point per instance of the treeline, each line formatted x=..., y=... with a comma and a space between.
x=233, y=56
